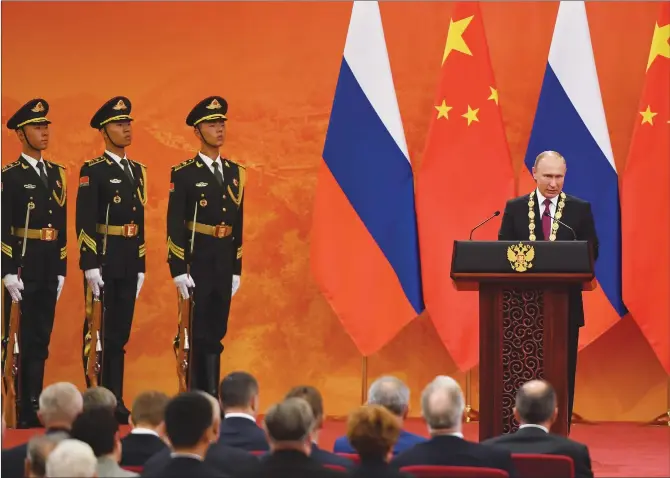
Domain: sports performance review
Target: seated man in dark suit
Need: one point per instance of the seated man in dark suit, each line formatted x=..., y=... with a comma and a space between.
x=536, y=411
x=442, y=406
x=393, y=394
x=312, y=396
x=190, y=428
x=146, y=437
x=59, y=405
x=238, y=393
x=288, y=426
x=225, y=459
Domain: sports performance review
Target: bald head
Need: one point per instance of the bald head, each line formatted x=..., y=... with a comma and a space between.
x=536, y=403
x=442, y=405
x=549, y=173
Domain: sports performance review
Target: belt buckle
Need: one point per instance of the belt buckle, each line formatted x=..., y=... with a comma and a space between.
x=48, y=234
x=220, y=231
x=130, y=230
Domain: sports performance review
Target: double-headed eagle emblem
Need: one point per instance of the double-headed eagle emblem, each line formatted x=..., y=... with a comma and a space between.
x=520, y=257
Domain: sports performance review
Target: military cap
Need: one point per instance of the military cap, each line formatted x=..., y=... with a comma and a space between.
x=116, y=109
x=210, y=109
x=33, y=112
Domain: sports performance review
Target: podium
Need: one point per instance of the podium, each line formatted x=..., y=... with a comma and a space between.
x=524, y=290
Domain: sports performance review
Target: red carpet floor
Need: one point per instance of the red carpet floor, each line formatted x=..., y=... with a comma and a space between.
x=617, y=449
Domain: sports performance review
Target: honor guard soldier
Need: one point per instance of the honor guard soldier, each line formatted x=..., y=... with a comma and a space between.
x=110, y=234
x=34, y=253
x=206, y=203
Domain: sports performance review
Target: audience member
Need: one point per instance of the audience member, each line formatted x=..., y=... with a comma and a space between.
x=71, y=459
x=59, y=403
x=536, y=411
x=288, y=426
x=99, y=429
x=372, y=431
x=313, y=397
x=148, y=429
x=238, y=393
x=391, y=393
x=190, y=428
x=39, y=448
x=99, y=397
x=442, y=406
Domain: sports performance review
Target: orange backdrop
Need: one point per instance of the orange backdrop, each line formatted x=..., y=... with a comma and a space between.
x=277, y=65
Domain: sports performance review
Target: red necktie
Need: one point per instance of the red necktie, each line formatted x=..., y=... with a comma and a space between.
x=546, y=220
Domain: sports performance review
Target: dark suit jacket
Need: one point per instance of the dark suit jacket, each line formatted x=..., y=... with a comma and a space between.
x=240, y=432
x=13, y=459
x=536, y=440
x=223, y=459
x=137, y=448
x=576, y=214
x=450, y=450
x=179, y=467
x=405, y=441
x=293, y=464
x=327, y=458
x=376, y=469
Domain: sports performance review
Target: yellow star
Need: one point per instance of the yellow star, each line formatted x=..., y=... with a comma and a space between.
x=455, y=40
x=494, y=95
x=659, y=44
x=443, y=110
x=471, y=115
x=648, y=116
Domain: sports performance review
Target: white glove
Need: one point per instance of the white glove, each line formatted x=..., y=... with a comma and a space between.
x=94, y=280
x=183, y=282
x=140, y=281
x=236, y=284
x=61, y=281
x=14, y=285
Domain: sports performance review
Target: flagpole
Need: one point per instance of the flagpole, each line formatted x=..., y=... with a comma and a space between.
x=664, y=418
x=364, y=381
x=471, y=415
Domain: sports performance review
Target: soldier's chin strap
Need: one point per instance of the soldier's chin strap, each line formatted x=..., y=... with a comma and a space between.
x=23, y=130
x=104, y=127
x=202, y=137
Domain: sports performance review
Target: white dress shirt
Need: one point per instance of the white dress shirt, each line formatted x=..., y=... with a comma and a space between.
x=239, y=415
x=143, y=431
x=34, y=162
x=532, y=425
x=118, y=158
x=552, y=206
x=210, y=162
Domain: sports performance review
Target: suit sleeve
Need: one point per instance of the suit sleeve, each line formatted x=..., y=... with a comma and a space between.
x=87, y=203
x=583, y=463
x=506, y=232
x=589, y=231
x=176, y=230
x=9, y=265
x=507, y=464
x=62, y=235
x=237, y=239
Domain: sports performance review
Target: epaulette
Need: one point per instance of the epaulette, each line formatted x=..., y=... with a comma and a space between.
x=137, y=162
x=177, y=167
x=93, y=162
x=56, y=164
x=11, y=165
x=236, y=164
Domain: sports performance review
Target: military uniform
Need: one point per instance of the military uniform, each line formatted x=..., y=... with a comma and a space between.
x=217, y=246
x=114, y=194
x=45, y=259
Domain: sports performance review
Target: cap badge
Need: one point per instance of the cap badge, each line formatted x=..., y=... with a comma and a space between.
x=39, y=107
x=120, y=105
x=214, y=105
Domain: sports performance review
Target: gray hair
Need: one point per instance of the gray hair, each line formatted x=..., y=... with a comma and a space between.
x=442, y=403
x=547, y=154
x=216, y=407
x=71, y=459
x=99, y=397
x=535, y=402
x=60, y=402
x=391, y=393
x=290, y=421
x=38, y=449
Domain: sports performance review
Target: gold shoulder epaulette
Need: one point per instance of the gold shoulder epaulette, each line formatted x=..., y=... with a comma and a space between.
x=56, y=164
x=183, y=164
x=137, y=162
x=98, y=160
x=235, y=164
x=11, y=165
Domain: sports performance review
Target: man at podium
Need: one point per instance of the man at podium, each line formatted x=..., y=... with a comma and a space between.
x=548, y=214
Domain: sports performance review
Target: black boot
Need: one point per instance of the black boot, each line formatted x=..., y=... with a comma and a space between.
x=211, y=371
x=32, y=380
x=114, y=374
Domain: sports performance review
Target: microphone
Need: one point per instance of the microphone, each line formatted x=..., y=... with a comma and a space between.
x=495, y=214
x=574, y=234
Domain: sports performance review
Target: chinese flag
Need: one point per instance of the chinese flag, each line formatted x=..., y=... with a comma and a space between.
x=465, y=176
x=645, y=201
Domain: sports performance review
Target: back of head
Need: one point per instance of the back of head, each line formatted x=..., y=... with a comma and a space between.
x=536, y=403
x=60, y=403
x=391, y=393
x=372, y=431
x=96, y=397
x=312, y=396
x=98, y=428
x=442, y=405
x=188, y=417
x=290, y=421
x=238, y=390
x=71, y=459
x=39, y=448
x=148, y=409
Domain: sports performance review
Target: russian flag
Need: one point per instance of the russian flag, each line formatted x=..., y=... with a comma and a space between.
x=570, y=119
x=364, y=245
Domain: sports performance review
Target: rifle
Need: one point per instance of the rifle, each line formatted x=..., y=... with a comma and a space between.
x=11, y=371
x=96, y=324
x=186, y=307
